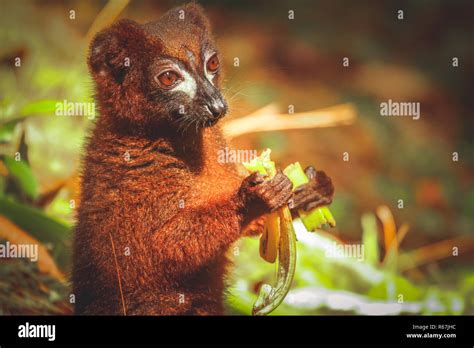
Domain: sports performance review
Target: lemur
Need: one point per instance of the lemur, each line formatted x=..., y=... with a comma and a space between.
x=158, y=211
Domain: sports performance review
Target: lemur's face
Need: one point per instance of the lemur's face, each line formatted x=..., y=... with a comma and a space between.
x=167, y=70
x=185, y=74
x=189, y=88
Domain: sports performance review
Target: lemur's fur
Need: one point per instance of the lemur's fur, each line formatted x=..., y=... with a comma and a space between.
x=158, y=211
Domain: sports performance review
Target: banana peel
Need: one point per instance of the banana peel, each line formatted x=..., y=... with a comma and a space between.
x=270, y=238
x=269, y=241
x=270, y=297
x=278, y=240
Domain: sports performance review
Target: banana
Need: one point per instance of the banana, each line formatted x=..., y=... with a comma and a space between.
x=279, y=239
x=270, y=238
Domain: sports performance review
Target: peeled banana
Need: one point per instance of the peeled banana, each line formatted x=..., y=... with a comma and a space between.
x=278, y=240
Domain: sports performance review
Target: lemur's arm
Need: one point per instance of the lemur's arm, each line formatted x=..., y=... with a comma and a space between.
x=196, y=235
x=316, y=193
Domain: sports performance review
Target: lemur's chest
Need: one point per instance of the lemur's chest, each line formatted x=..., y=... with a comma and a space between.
x=218, y=176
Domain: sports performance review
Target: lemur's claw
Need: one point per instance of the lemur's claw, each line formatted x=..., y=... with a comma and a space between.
x=310, y=172
x=268, y=195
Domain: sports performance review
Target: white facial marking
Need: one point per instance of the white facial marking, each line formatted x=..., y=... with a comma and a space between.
x=210, y=77
x=208, y=110
x=217, y=104
x=188, y=85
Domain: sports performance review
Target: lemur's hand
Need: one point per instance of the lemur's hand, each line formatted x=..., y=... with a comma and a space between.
x=317, y=192
x=262, y=196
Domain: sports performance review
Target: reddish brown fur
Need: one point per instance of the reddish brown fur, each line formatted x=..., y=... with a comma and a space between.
x=174, y=253
x=169, y=259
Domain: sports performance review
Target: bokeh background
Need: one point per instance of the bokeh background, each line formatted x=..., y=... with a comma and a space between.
x=284, y=62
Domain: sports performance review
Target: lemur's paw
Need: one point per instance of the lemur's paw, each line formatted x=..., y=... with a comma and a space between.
x=316, y=193
x=266, y=195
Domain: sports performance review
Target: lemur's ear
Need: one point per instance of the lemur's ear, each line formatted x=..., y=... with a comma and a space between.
x=113, y=50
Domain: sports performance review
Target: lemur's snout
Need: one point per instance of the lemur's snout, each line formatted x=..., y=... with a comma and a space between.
x=217, y=108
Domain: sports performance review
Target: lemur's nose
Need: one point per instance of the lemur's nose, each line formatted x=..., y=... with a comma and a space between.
x=217, y=108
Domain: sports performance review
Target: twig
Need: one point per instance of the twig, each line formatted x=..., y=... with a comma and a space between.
x=106, y=16
x=268, y=119
x=14, y=234
x=434, y=252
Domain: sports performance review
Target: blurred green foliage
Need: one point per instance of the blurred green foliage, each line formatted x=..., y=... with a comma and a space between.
x=286, y=63
x=326, y=285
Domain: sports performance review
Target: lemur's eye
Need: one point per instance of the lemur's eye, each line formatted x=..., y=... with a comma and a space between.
x=168, y=79
x=213, y=64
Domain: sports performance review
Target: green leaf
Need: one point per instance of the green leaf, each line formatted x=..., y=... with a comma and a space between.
x=39, y=107
x=44, y=228
x=2, y=185
x=6, y=131
x=370, y=239
x=392, y=287
x=22, y=174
